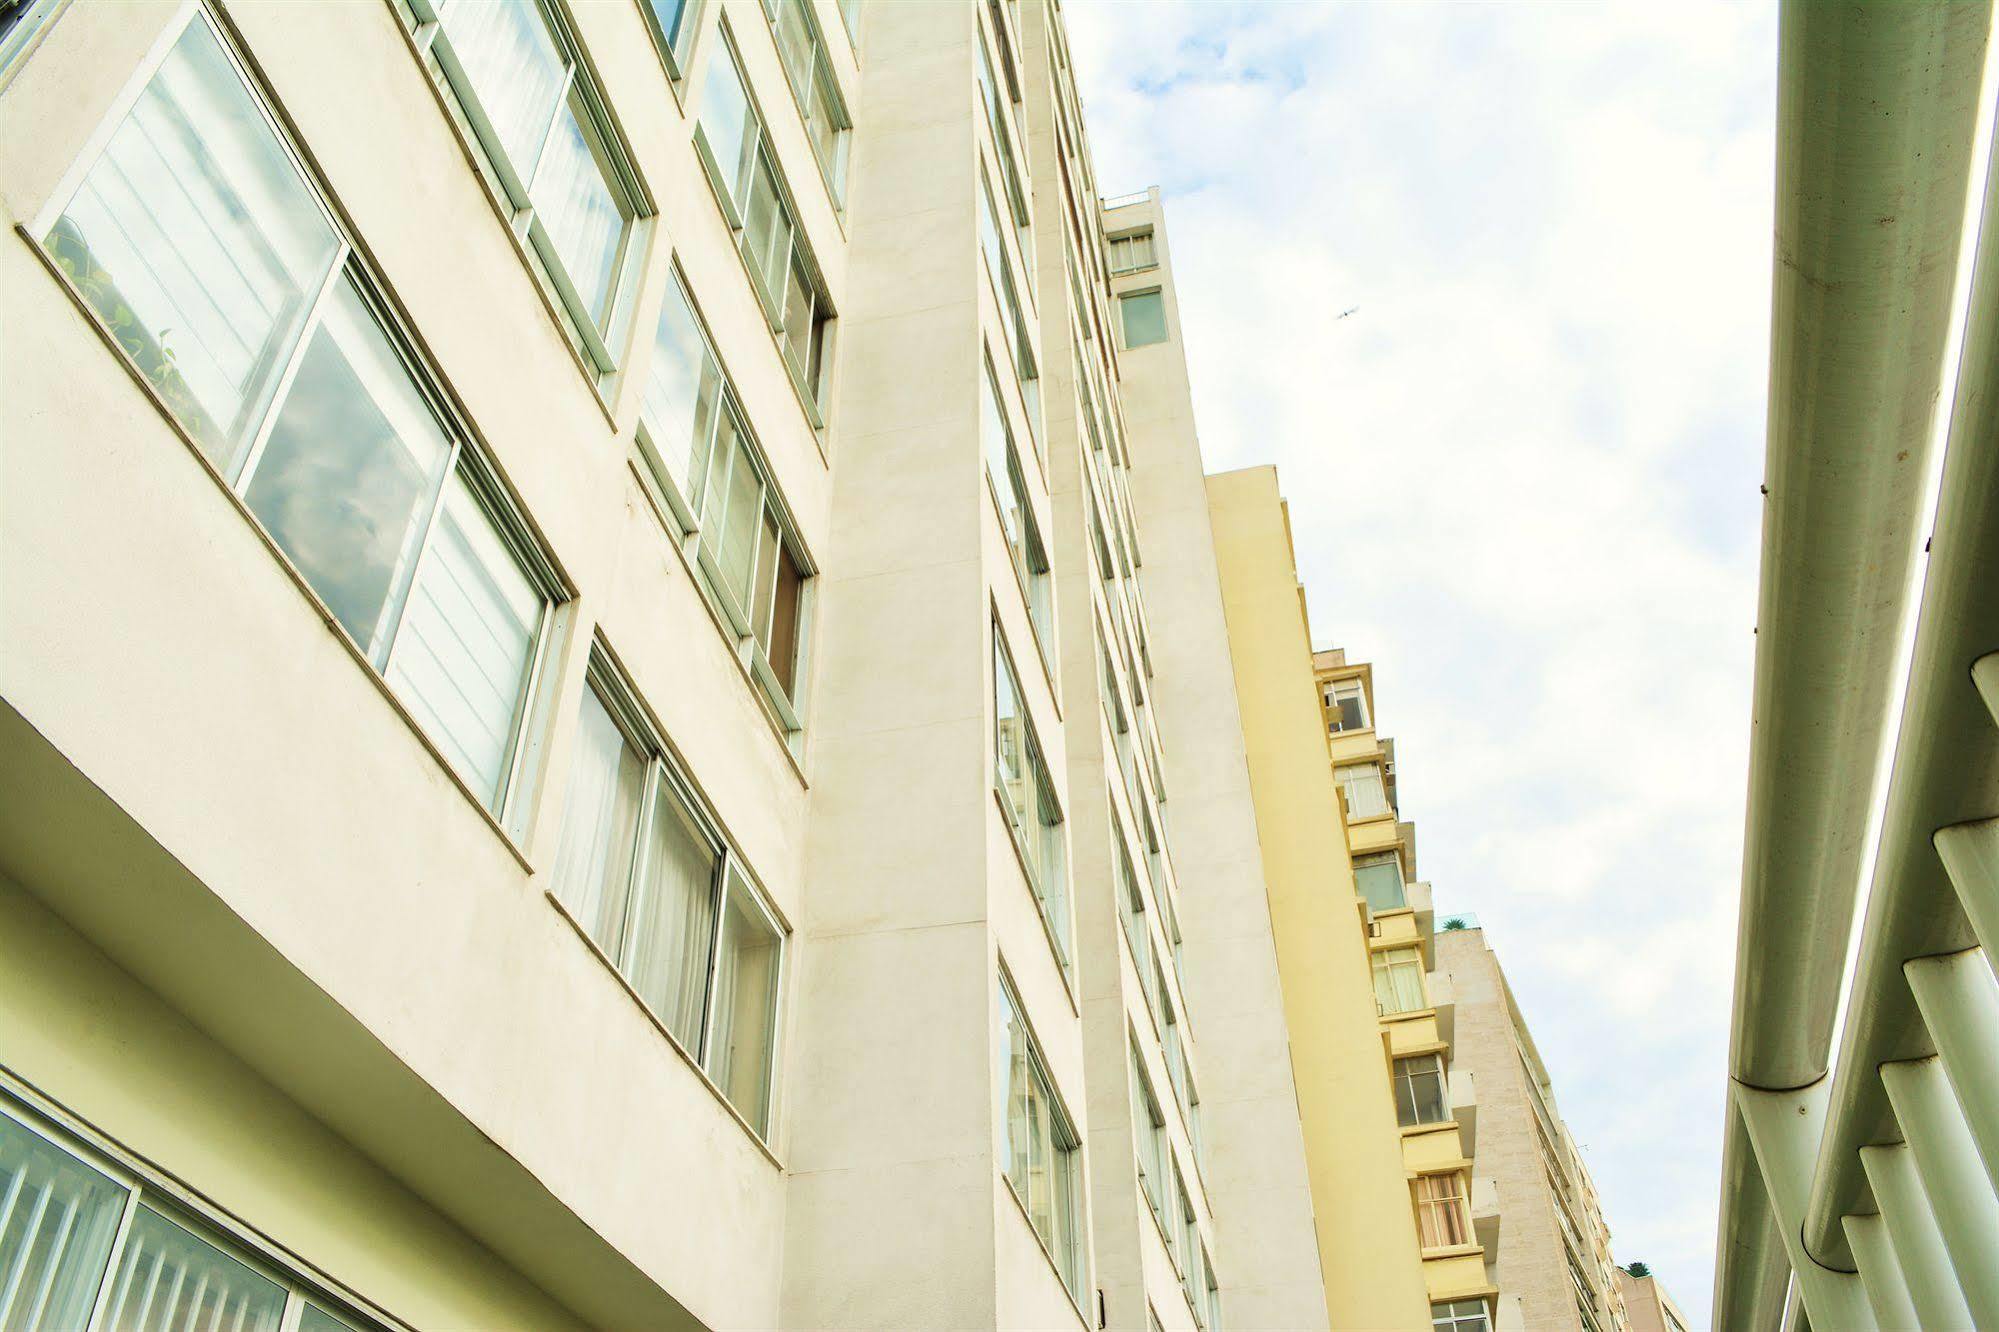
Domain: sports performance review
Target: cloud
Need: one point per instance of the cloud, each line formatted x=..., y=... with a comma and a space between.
x=1523, y=477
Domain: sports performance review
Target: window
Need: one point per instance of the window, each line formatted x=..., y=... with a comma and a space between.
x=1419, y=1091
x=1016, y=513
x=547, y=146
x=1148, y=1127
x=206, y=252
x=1042, y=1151
x=1367, y=797
x=850, y=14
x=1020, y=776
x=672, y=23
x=801, y=47
x=1130, y=253
x=1194, y=1134
x=1144, y=317
x=1460, y=1316
x=1169, y=1040
x=729, y=136
x=83, y=1245
x=1346, y=706
x=1191, y=1279
x=1443, y=1212
x=1213, y=1304
x=705, y=466
x=999, y=116
x=1378, y=878
x=1131, y=904
x=646, y=873
x=999, y=269
x=1398, y=981
x=21, y=26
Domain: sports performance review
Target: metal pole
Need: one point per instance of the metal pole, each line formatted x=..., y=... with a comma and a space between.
x=1960, y=1004
x=1784, y=1129
x=1880, y=1271
x=1967, y=1212
x=1912, y=1228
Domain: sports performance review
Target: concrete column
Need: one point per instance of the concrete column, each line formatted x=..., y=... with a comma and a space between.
x=1967, y=1211
x=1912, y=1229
x=1880, y=1271
x=1784, y=1130
x=1960, y=1004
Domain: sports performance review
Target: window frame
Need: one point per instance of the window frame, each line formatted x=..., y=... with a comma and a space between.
x=1382, y=964
x=1336, y=691
x=21, y=38
x=1037, y=585
x=606, y=679
x=684, y=529
x=1373, y=859
x=145, y=1185
x=1124, y=327
x=832, y=174
x=1073, y=1269
x=1452, y=1320
x=468, y=459
x=1129, y=240
x=674, y=51
x=1058, y=899
x=472, y=121
x=1458, y=1202
x=1352, y=777
x=813, y=390
x=1402, y=1077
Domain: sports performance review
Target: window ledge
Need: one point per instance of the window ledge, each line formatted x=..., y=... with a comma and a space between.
x=652, y=1017
x=1423, y=1130
x=1410, y=1015
x=319, y=608
x=1452, y=1251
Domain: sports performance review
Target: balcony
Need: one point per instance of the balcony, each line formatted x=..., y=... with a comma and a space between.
x=1418, y=897
x=1464, y=1108
x=1485, y=1216
x=1444, y=999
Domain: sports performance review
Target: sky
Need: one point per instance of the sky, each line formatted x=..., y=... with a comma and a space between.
x=1522, y=473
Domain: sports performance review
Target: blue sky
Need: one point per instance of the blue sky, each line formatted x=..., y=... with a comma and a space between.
x=1523, y=476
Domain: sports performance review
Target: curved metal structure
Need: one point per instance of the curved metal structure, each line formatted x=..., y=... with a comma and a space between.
x=1878, y=108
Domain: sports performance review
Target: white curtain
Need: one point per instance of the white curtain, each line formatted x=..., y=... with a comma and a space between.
x=580, y=212
x=171, y=1279
x=515, y=69
x=593, y=863
x=674, y=925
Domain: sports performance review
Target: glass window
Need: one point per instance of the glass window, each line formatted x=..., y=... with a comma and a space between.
x=1009, y=493
x=1190, y=1238
x=1443, y=1212
x=170, y=1277
x=731, y=142
x=1144, y=318
x=1378, y=878
x=999, y=112
x=1419, y=1091
x=643, y=870
x=1131, y=905
x=801, y=50
x=1130, y=253
x=199, y=243
x=1460, y=1316
x=462, y=659
x=513, y=70
x=1367, y=796
x=1020, y=775
x=196, y=237
x=745, y=1034
x=999, y=270
x=58, y=1217
x=706, y=468
x=1346, y=706
x=1042, y=1151
x=1398, y=981
x=1149, y=1133
x=672, y=24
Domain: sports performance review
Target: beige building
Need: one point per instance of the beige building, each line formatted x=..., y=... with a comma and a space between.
x=615, y=702
x=1648, y=1307
x=1553, y=1268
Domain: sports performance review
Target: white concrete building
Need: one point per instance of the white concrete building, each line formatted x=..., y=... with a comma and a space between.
x=580, y=740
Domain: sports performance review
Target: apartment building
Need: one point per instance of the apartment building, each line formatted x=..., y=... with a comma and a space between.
x=1648, y=1305
x=584, y=734
x=1553, y=1268
x=1458, y=1217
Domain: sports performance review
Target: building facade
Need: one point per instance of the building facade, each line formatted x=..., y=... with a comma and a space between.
x=585, y=734
x=1552, y=1266
x=1648, y=1306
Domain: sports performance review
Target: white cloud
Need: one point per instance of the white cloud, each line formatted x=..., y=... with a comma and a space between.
x=1523, y=477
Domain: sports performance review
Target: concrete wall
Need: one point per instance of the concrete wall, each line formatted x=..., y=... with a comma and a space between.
x=1366, y=1223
